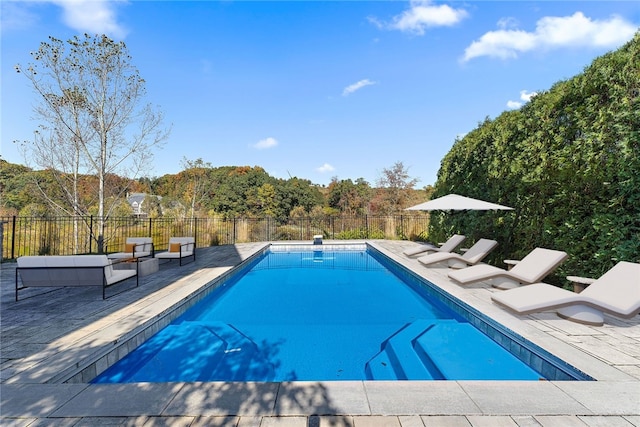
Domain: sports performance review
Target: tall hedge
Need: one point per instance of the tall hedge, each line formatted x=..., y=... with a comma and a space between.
x=568, y=162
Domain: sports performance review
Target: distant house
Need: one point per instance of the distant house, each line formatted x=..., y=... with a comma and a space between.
x=136, y=201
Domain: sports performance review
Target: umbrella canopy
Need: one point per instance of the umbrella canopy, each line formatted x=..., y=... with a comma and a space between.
x=454, y=202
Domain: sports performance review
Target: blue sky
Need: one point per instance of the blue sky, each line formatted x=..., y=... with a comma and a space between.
x=321, y=89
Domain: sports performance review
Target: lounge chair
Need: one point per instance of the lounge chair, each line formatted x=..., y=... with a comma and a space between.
x=474, y=255
x=616, y=292
x=179, y=248
x=453, y=242
x=135, y=247
x=537, y=265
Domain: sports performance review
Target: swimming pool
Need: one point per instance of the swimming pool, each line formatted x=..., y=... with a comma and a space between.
x=321, y=313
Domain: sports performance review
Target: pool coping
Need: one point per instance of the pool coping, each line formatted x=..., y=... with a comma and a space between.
x=39, y=392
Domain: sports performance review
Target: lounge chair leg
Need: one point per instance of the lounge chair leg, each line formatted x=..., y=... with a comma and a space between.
x=582, y=314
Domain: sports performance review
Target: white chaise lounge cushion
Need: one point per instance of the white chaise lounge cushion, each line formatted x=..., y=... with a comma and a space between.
x=474, y=255
x=538, y=264
x=616, y=292
x=448, y=246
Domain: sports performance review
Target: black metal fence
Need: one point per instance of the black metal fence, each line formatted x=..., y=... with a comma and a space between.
x=81, y=235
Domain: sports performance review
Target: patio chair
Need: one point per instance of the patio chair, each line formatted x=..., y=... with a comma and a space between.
x=474, y=255
x=537, y=265
x=135, y=247
x=453, y=242
x=179, y=248
x=616, y=292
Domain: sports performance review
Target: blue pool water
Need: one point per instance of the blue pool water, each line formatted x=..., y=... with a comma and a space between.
x=318, y=315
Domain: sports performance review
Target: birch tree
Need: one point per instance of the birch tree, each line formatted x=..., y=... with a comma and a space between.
x=93, y=119
x=196, y=172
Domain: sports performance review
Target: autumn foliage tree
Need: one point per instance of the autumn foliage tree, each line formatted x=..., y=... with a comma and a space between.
x=394, y=187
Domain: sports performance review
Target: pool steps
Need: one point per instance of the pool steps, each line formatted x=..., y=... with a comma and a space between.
x=398, y=359
x=435, y=350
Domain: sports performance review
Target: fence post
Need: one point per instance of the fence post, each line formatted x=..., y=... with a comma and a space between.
x=13, y=238
x=2, y=223
x=195, y=232
x=150, y=235
x=234, y=230
x=366, y=225
x=91, y=234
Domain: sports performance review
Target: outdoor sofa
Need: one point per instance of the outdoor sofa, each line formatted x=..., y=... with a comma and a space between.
x=69, y=270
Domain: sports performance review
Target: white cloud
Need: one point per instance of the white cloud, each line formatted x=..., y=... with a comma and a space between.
x=524, y=98
x=514, y=105
x=266, y=143
x=357, y=86
x=552, y=32
x=326, y=168
x=422, y=15
x=92, y=16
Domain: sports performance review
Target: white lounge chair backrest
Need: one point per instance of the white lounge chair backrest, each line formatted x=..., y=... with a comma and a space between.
x=538, y=264
x=618, y=289
x=453, y=242
x=448, y=246
x=479, y=250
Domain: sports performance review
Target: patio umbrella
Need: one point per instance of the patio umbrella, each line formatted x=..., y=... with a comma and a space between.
x=455, y=202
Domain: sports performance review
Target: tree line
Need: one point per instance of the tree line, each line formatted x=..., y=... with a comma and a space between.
x=202, y=190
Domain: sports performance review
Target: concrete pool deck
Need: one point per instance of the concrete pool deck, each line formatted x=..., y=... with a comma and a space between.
x=51, y=344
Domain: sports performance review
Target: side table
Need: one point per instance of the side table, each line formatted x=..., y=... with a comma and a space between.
x=580, y=283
